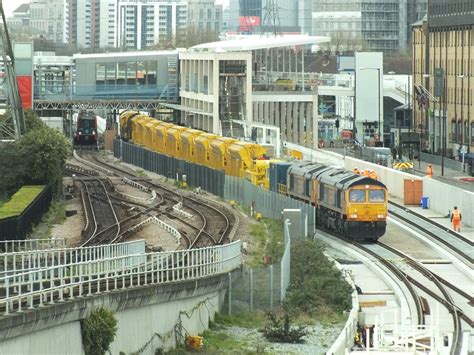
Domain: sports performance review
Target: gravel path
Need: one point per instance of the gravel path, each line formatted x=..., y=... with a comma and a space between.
x=318, y=340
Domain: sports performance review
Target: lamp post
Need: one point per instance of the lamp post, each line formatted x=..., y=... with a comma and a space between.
x=378, y=77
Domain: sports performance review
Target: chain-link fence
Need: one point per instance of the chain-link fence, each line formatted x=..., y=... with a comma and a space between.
x=261, y=288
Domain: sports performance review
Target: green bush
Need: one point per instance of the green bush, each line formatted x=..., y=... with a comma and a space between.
x=98, y=331
x=316, y=285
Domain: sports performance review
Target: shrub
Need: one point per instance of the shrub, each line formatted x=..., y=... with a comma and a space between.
x=98, y=331
x=278, y=329
x=315, y=283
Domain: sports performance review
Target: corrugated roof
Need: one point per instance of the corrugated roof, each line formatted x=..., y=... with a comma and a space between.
x=258, y=42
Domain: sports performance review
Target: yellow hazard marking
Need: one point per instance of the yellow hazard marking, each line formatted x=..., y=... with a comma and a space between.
x=366, y=304
x=403, y=166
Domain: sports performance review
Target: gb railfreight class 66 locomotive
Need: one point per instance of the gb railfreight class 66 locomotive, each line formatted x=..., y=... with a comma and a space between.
x=86, y=132
x=354, y=206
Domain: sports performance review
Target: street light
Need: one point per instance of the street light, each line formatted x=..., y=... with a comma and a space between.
x=378, y=77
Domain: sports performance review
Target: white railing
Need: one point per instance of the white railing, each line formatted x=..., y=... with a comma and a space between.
x=8, y=246
x=57, y=283
x=178, y=209
x=23, y=261
x=173, y=231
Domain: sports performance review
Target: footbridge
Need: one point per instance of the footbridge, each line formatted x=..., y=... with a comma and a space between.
x=44, y=294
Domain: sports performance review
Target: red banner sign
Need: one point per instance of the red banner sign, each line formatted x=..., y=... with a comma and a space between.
x=25, y=86
x=248, y=22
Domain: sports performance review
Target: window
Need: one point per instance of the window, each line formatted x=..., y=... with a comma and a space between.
x=376, y=195
x=131, y=72
x=100, y=74
x=357, y=195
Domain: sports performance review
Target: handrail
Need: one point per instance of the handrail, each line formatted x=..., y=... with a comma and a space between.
x=37, y=259
x=49, y=285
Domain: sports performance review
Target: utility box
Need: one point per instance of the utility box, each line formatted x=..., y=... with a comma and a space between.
x=413, y=192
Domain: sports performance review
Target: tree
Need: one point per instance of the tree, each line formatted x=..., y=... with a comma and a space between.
x=13, y=169
x=344, y=41
x=98, y=331
x=185, y=38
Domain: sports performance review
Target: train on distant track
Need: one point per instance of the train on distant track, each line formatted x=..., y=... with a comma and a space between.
x=86, y=129
x=352, y=205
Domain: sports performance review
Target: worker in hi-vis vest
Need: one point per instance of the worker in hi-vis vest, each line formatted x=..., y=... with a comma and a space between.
x=456, y=218
x=429, y=171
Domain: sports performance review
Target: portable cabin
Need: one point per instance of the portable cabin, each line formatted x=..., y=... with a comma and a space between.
x=188, y=144
x=220, y=154
x=161, y=137
x=203, y=148
x=241, y=155
x=173, y=141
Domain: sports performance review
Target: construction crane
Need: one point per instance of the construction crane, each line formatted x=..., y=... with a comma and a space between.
x=12, y=124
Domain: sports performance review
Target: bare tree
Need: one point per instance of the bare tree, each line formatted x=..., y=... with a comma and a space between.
x=186, y=38
x=344, y=41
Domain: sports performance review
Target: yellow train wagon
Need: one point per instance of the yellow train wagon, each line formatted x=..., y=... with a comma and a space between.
x=188, y=144
x=219, y=154
x=258, y=173
x=161, y=137
x=203, y=148
x=139, y=123
x=173, y=141
x=241, y=155
x=150, y=133
x=126, y=124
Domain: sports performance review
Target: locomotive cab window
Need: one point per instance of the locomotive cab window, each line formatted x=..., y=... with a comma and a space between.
x=357, y=196
x=377, y=196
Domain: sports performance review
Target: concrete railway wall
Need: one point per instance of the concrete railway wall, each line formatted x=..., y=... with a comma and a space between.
x=442, y=197
x=148, y=318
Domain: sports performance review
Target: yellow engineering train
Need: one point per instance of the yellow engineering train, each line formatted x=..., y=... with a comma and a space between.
x=350, y=204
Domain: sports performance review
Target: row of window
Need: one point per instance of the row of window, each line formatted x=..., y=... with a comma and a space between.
x=126, y=73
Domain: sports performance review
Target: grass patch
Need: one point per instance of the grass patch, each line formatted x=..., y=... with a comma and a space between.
x=20, y=201
x=243, y=320
x=269, y=236
x=140, y=173
x=55, y=215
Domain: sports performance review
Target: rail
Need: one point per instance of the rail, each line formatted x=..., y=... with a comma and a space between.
x=22, y=261
x=58, y=283
x=9, y=246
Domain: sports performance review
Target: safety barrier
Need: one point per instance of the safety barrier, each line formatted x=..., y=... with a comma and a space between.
x=10, y=246
x=173, y=231
x=178, y=209
x=21, y=261
x=403, y=166
x=79, y=279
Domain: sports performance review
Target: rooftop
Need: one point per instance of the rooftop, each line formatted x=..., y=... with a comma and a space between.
x=134, y=54
x=22, y=8
x=258, y=42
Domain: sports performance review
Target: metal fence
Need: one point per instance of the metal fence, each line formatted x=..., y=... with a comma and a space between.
x=269, y=203
x=28, y=260
x=196, y=175
x=79, y=279
x=260, y=288
x=10, y=246
x=437, y=160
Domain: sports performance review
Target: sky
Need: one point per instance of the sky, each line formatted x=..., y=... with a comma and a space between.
x=11, y=5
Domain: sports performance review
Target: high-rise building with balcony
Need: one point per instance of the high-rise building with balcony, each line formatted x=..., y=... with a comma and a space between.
x=50, y=18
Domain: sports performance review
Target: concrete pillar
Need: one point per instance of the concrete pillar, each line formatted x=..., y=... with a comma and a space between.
x=301, y=127
x=283, y=120
x=315, y=121
x=309, y=124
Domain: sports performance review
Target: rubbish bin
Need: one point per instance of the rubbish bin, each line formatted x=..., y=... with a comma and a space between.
x=424, y=202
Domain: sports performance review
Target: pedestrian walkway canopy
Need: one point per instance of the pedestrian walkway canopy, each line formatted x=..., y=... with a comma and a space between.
x=251, y=43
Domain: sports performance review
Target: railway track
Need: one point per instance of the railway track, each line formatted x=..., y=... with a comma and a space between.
x=455, y=242
x=201, y=223
x=419, y=280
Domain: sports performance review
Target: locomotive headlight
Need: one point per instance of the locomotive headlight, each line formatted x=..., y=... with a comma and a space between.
x=80, y=133
x=380, y=216
x=93, y=133
x=354, y=215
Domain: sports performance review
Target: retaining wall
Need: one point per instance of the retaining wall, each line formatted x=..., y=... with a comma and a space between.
x=148, y=318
